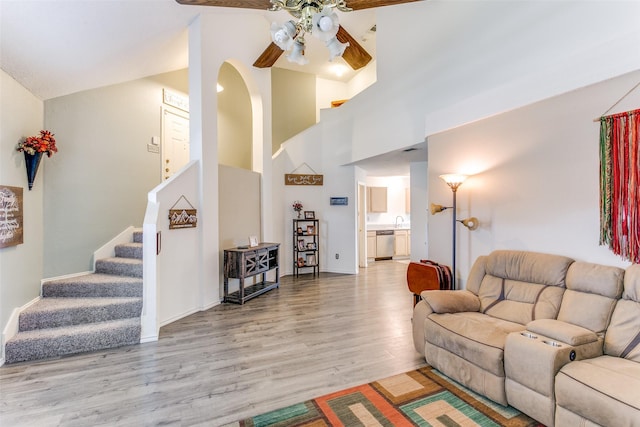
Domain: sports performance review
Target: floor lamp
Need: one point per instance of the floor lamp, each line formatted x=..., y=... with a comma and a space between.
x=454, y=181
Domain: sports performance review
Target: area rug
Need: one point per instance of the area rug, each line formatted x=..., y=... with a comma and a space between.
x=423, y=397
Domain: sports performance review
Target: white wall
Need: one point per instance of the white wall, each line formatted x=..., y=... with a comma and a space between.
x=534, y=178
x=468, y=61
x=21, y=115
x=98, y=182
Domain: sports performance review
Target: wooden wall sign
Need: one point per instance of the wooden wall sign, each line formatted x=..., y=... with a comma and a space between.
x=299, y=179
x=11, y=226
x=183, y=218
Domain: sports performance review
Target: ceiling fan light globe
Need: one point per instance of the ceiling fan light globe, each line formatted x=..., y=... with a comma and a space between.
x=297, y=54
x=336, y=48
x=283, y=35
x=325, y=24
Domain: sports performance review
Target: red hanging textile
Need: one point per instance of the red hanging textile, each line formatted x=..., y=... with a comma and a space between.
x=620, y=184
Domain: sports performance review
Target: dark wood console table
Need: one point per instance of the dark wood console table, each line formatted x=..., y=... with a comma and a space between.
x=243, y=263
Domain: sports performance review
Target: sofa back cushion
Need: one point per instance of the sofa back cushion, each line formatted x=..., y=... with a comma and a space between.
x=591, y=295
x=622, y=338
x=519, y=286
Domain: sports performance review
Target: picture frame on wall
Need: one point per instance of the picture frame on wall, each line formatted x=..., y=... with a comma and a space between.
x=309, y=215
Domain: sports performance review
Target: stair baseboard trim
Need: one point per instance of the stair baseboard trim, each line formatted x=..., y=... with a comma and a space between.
x=149, y=338
x=108, y=250
x=11, y=329
x=64, y=277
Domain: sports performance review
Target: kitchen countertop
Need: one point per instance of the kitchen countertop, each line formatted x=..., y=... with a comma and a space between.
x=376, y=227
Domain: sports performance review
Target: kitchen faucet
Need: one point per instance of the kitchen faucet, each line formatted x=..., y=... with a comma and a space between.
x=401, y=218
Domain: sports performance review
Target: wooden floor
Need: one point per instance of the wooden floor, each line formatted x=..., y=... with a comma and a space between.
x=305, y=339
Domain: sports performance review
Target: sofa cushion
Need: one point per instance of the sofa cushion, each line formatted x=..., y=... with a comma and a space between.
x=602, y=390
x=622, y=338
x=451, y=301
x=623, y=334
x=561, y=331
x=521, y=286
x=473, y=336
x=592, y=292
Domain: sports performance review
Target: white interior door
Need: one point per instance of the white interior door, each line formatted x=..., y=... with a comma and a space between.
x=175, y=141
x=362, y=222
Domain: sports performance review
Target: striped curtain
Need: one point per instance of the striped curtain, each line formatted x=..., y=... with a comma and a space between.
x=620, y=184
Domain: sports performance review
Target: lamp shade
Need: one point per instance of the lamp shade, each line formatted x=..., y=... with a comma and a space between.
x=471, y=223
x=336, y=48
x=453, y=180
x=297, y=53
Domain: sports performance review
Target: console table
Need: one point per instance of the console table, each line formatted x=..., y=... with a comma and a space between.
x=243, y=263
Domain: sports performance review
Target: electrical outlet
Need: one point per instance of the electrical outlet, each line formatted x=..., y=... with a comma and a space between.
x=337, y=256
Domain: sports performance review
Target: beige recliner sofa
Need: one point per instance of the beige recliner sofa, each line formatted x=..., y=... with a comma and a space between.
x=526, y=316
x=462, y=333
x=605, y=390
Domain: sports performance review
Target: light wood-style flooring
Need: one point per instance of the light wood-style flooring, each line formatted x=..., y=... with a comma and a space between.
x=310, y=337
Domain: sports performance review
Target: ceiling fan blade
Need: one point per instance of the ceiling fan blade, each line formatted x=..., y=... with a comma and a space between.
x=367, y=4
x=245, y=4
x=354, y=54
x=269, y=56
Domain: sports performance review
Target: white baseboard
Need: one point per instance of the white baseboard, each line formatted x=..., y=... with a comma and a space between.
x=11, y=329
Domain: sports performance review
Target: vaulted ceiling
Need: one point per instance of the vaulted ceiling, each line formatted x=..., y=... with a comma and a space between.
x=54, y=48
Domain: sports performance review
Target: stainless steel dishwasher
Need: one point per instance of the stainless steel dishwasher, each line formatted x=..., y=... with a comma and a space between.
x=385, y=242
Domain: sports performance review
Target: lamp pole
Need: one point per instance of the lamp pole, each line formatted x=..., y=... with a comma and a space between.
x=453, y=226
x=454, y=181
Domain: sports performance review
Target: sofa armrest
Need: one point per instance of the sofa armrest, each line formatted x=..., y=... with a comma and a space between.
x=562, y=331
x=451, y=301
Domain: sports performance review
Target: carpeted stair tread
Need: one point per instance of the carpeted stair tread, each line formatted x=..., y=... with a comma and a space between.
x=120, y=266
x=93, y=285
x=54, y=342
x=129, y=250
x=137, y=235
x=57, y=312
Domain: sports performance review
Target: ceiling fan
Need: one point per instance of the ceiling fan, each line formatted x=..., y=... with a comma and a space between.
x=317, y=17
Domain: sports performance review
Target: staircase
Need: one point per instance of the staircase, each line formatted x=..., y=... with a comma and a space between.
x=84, y=313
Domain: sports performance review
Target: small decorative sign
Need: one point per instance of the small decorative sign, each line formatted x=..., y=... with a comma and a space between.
x=300, y=179
x=11, y=226
x=339, y=201
x=183, y=218
x=175, y=100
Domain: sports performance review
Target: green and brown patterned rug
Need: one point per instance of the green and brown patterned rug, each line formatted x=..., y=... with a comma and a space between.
x=423, y=397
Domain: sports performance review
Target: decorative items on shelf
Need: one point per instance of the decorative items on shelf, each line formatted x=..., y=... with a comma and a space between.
x=297, y=207
x=306, y=246
x=34, y=147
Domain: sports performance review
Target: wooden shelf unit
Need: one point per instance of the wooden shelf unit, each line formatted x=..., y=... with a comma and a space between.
x=306, y=246
x=244, y=263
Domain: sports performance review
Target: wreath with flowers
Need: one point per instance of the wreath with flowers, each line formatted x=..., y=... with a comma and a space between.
x=45, y=143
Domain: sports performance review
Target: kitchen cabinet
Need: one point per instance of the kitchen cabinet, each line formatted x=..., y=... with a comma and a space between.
x=376, y=199
x=402, y=243
x=371, y=244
